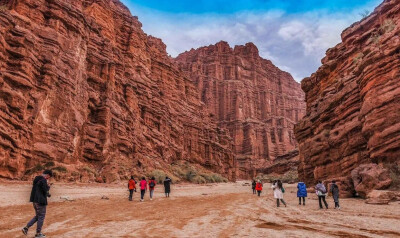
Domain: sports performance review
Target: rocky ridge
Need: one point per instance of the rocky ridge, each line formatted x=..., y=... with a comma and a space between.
x=84, y=89
x=353, y=106
x=258, y=103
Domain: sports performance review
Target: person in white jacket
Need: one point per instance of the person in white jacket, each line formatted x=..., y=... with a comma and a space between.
x=278, y=192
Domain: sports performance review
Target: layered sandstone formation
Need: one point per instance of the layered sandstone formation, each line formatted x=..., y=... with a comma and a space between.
x=282, y=164
x=82, y=86
x=353, y=103
x=246, y=94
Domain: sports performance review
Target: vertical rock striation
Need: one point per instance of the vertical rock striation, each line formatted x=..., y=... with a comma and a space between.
x=353, y=102
x=246, y=94
x=82, y=84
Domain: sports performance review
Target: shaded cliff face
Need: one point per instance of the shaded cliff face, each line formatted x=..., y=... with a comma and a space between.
x=246, y=94
x=82, y=85
x=353, y=102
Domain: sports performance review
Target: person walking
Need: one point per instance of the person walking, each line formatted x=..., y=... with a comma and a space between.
x=152, y=185
x=39, y=195
x=335, y=194
x=253, y=186
x=320, y=190
x=259, y=187
x=302, y=192
x=277, y=186
x=143, y=188
x=135, y=184
x=131, y=187
x=167, y=186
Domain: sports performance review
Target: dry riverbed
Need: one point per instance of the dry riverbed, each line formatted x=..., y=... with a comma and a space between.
x=217, y=210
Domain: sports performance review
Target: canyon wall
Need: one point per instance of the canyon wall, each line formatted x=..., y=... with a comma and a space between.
x=353, y=105
x=82, y=86
x=256, y=101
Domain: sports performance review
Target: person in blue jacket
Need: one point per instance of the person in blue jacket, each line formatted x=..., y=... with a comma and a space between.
x=302, y=192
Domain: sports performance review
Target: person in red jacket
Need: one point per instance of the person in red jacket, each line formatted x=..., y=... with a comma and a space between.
x=131, y=187
x=152, y=185
x=143, y=188
x=259, y=187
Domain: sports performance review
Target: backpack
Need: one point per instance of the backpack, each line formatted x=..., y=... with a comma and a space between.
x=152, y=184
x=321, y=189
x=283, y=190
x=259, y=186
x=335, y=189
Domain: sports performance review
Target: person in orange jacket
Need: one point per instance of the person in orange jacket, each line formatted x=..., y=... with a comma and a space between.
x=131, y=187
x=259, y=187
x=152, y=185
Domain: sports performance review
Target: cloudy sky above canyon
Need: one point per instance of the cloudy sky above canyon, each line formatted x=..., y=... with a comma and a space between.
x=294, y=35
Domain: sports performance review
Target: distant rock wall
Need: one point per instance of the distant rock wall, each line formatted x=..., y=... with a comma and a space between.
x=82, y=85
x=353, y=102
x=256, y=101
x=282, y=164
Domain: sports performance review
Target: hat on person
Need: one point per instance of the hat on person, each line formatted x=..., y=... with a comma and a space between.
x=48, y=172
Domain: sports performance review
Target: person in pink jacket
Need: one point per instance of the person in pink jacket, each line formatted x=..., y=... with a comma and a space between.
x=143, y=188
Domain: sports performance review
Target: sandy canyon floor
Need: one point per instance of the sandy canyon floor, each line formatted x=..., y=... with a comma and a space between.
x=217, y=210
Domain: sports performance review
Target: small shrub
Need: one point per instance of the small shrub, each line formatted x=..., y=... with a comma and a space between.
x=394, y=171
x=49, y=164
x=195, y=174
x=217, y=178
x=36, y=168
x=190, y=175
x=198, y=179
x=76, y=174
x=178, y=171
x=213, y=178
x=158, y=175
x=387, y=26
x=3, y=8
x=289, y=177
x=364, y=14
x=375, y=38
x=358, y=58
x=208, y=177
x=60, y=169
x=89, y=170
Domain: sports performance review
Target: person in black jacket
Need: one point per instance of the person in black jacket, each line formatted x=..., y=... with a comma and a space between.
x=167, y=186
x=335, y=194
x=253, y=186
x=39, y=194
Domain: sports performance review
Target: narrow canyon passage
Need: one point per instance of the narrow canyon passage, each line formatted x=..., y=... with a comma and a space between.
x=218, y=210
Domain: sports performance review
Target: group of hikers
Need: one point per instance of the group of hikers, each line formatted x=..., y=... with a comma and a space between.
x=151, y=184
x=41, y=188
x=41, y=191
x=320, y=191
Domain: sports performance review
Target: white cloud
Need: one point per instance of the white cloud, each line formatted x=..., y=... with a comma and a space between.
x=294, y=42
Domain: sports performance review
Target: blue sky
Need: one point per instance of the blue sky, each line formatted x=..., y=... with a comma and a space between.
x=293, y=34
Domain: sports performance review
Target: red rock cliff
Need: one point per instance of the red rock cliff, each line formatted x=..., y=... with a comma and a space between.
x=246, y=94
x=353, y=102
x=82, y=84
